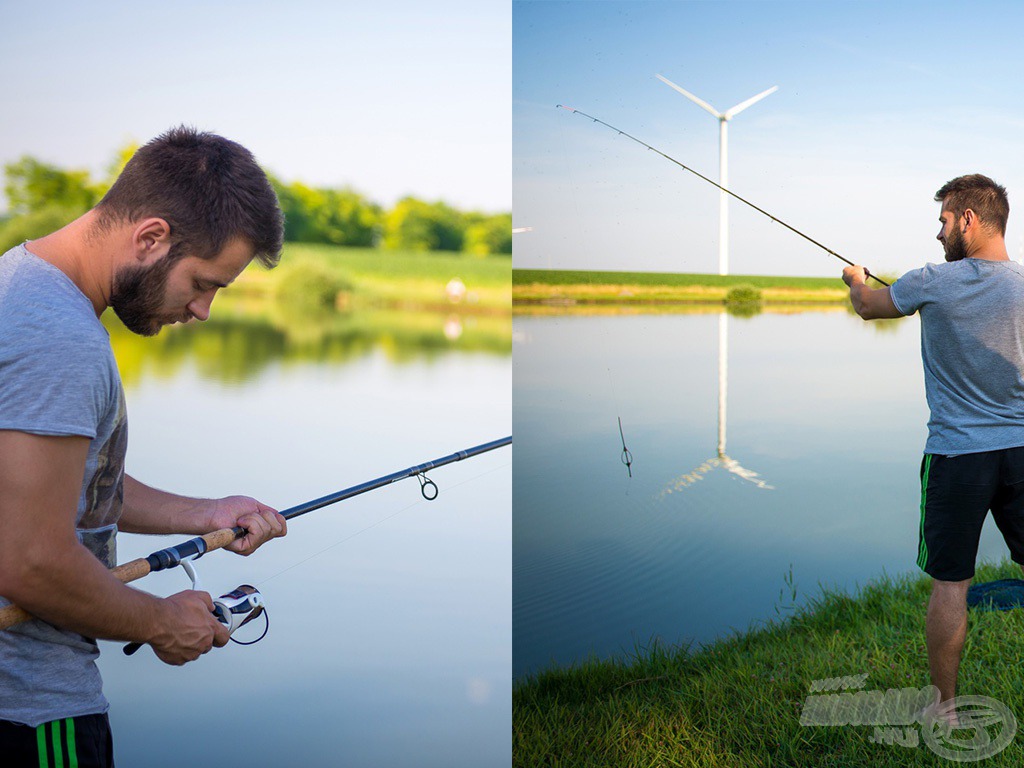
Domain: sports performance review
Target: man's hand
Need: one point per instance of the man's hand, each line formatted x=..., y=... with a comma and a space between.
x=869, y=303
x=189, y=628
x=261, y=522
x=854, y=274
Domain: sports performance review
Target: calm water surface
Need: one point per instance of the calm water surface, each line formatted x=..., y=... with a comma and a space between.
x=824, y=428
x=390, y=629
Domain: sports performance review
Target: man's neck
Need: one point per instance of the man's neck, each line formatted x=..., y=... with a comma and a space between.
x=84, y=254
x=990, y=249
x=990, y=256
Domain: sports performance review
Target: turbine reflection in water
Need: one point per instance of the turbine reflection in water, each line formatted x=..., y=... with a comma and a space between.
x=722, y=459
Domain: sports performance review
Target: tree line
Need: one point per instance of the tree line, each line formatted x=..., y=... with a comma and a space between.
x=42, y=197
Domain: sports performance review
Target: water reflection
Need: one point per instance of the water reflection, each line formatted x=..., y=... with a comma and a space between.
x=390, y=640
x=235, y=346
x=722, y=459
x=603, y=563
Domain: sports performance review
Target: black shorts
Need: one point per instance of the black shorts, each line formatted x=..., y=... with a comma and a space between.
x=75, y=742
x=956, y=494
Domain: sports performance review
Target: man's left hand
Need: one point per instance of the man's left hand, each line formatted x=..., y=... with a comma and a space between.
x=262, y=523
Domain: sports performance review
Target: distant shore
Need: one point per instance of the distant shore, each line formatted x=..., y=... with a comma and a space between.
x=531, y=287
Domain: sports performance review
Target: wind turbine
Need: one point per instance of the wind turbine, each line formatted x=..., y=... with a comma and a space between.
x=723, y=161
x=722, y=459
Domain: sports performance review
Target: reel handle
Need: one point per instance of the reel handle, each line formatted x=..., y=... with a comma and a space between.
x=131, y=648
x=233, y=610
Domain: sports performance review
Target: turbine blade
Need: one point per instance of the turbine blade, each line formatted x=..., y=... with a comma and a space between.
x=731, y=113
x=699, y=102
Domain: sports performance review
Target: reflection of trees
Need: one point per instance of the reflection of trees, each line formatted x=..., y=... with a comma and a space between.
x=882, y=326
x=233, y=347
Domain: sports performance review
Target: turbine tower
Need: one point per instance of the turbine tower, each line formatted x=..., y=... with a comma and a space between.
x=723, y=162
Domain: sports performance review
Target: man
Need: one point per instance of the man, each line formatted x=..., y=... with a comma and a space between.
x=185, y=217
x=972, y=345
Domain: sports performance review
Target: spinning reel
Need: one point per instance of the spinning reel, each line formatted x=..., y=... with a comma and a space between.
x=234, y=609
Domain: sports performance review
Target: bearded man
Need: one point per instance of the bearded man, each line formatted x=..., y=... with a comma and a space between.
x=184, y=218
x=972, y=345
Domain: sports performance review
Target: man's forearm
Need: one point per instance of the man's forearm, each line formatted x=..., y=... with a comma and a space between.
x=872, y=303
x=150, y=510
x=67, y=586
x=857, y=298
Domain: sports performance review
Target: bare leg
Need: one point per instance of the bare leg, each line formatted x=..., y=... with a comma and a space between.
x=946, y=630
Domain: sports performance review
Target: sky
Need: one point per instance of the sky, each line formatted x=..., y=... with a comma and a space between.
x=390, y=97
x=878, y=105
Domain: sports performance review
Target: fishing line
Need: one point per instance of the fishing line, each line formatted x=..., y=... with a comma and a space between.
x=572, y=180
x=374, y=525
x=266, y=629
x=342, y=541
x=627, y=458
x=728, y=192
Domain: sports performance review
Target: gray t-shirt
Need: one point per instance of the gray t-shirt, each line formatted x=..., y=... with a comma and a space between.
x=58, y=376
x=972, y=345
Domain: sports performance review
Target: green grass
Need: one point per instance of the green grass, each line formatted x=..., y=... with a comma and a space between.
x=361, y=263
x=399, y=279
x=534, y=287
x=667, y=279
x=737, y=702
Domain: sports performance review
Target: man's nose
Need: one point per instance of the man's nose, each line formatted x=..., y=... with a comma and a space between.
x=200, y=308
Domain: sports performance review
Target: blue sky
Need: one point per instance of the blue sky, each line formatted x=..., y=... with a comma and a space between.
x=878, y=105
x=391, y=97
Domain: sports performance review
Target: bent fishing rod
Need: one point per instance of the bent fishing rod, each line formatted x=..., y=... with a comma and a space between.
x=727, y=191
x=184, y=553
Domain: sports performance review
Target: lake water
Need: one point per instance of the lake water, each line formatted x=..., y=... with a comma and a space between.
x=823, y=430
x=390, y=629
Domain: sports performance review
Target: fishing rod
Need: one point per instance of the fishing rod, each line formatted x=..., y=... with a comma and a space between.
x=182, y=554
x=727, y=191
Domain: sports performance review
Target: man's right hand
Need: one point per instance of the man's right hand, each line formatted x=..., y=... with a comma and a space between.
x=869, y=303
x=189, y=630
x=854, y=274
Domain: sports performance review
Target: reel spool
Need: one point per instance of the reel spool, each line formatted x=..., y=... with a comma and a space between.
x=238, y=607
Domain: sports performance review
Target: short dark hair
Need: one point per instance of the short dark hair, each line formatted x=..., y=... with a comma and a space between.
x=980, y=194
x=207, y=188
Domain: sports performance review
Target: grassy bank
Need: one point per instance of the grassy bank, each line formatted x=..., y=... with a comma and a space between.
x=368, y=277
x=737, y=702
x=543, y=286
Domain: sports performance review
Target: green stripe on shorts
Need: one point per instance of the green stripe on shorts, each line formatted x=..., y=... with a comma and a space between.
x=44, y=760
x=922, y=551
x=72, y=751
x=58, y=753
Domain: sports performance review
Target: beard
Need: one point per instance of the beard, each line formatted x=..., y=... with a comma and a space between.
x=955, y=247
x=138, y=295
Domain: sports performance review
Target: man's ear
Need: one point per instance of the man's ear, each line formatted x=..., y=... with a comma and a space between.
x=970, y=220
x=151, y=240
